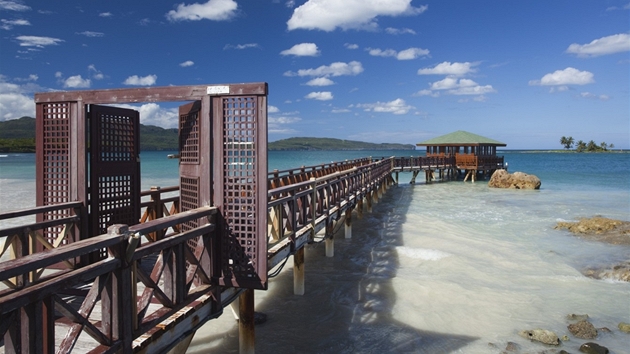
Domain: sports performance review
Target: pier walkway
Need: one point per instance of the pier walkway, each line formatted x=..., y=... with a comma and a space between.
x=53, y=303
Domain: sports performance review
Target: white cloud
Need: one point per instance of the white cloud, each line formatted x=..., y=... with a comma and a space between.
x=351, y=46
x=241, y=46
x=13, y=5
x=91, y=34
x=76, y=82
x=36, y=41
x=472, y=90
x=187, y=63
x=568, y=76
x=340, y=110
x=382, y=53
x=135, y=80
x=427, y=93
x=105, y=14
x=448, y=68
x=97, y=74
x=454, y=86
x=290, y=4
x=327, y=15
x=593, y=96
x=277, y=123
x=320, y=96
x=320, y=81
x=412, y=53
x=283, y=120
x=302, y=50
x=215, y=10
x=391, y=30
x=9, y=24
x=606, y=45
x=154, y=114
x=272, y=109
x=14, y=101
x=397, y=106
x=452, y=83
x=334, y=69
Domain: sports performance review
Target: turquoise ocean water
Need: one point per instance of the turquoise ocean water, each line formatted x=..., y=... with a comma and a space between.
x=435, y=268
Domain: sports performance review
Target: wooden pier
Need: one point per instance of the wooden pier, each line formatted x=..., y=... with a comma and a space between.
x=105, y=267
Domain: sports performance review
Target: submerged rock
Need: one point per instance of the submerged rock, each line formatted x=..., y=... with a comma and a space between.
x=624, y=327
x=598, y=228
x=541, y=335
x=576, y=317
x=593, y=348
x=516, y=180
x=583, y=329
x=620, y=272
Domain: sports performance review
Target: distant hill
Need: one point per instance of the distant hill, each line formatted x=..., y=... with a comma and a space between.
x=333, y=144
x=18, y=135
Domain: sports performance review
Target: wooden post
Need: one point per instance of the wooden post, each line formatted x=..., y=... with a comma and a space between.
x=246, y=331
x=298, y=272
x=368, y=198
x=348, y=223
x=360, y=208
x=329, y=239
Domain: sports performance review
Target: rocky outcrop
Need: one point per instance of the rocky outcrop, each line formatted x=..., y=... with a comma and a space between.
x=516, y=180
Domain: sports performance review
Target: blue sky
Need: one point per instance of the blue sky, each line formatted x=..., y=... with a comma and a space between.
x=521, y=72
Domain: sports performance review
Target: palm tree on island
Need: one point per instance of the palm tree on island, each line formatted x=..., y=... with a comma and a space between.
x=567, y=142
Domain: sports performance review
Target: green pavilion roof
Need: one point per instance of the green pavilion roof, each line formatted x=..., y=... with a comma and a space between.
x=460, y=138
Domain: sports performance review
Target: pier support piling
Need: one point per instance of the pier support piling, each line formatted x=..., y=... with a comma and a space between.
x=246, y=331
x=348, y=223
x=329, y=239
x=298, y=272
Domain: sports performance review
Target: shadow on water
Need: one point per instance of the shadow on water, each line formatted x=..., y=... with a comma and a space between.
x=349, y=299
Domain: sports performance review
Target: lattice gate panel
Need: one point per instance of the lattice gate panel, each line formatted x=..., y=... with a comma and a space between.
x=189, y=163
x=114, y=168
x=54, y=179
x=244, y=190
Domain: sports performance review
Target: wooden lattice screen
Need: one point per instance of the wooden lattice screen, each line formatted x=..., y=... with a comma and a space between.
x=241, y=141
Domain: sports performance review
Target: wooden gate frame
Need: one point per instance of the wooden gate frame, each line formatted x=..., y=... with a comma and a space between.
x=62, y=169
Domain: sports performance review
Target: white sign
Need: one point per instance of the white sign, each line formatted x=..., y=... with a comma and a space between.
x=218, y=90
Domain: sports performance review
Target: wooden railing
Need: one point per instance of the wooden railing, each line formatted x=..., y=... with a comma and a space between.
x=298, y=211
x=63, y=224
x=173, y=293
x=159, y=206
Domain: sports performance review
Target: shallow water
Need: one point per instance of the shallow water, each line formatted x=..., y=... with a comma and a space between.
x=439, y=268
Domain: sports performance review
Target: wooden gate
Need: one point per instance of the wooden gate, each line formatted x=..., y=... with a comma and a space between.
x=114, y=167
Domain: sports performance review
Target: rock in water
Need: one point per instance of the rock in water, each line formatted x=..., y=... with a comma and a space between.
x=624, y=327
x=593, y=348
x=541, y=335
x=517, y=180
x=583, y=329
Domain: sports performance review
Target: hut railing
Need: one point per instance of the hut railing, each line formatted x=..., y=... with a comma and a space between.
x=173, y=284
